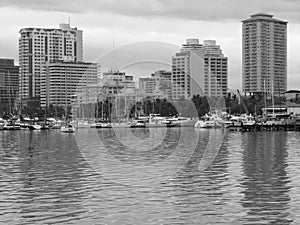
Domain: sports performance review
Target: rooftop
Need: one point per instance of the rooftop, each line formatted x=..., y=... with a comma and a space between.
x=263, y=16
x=6, y=62
x=292, y=92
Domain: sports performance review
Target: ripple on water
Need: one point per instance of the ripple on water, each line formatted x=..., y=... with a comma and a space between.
x=254, y=179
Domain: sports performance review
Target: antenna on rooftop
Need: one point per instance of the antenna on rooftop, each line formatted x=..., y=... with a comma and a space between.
x=69, y=21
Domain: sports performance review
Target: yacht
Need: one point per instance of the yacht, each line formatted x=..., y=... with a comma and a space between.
x=207, y=124
x=138, y=124
x=83, y=124
x=100, y=124
x=179, y=122
x=68, y=128
x=34, y=127
x=57, y=124
x=10, y=125
x=243, y=120
x=212, y=121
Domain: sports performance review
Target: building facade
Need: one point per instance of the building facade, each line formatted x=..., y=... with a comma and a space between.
x=199, y=69
x=159, y=84
x=61, y=80
x=38, y=46
x=188, y=70
x=9, y=85
x=216, y=70
x=115, y=87
x=264, y=54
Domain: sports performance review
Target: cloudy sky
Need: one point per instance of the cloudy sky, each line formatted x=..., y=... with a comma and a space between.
x=147, y=32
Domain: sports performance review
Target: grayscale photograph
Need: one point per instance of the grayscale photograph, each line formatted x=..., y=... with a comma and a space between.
x=159, y=112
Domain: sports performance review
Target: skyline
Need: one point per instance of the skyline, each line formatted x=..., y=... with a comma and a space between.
x=127, y=23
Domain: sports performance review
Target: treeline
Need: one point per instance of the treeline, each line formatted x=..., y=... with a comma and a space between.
x=196, y=107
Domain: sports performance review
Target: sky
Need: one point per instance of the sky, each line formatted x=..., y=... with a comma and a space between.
x=145, y=34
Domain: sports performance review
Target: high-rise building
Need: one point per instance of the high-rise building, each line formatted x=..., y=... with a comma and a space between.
x=264, y=54
x=188, y=70
x=216, y=70
x=9, y=85
x=38, y=46
x=199, y=69
x=61, y=80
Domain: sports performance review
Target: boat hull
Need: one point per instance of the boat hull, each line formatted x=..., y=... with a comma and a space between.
x=67, y=129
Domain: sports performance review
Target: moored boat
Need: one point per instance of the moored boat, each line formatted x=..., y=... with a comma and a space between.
x=68, y=128
x=207, y=124
x=34, y=127
x=9, y=125
x=138, y=124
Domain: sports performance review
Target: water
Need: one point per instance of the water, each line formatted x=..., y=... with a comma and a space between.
x=151, y=177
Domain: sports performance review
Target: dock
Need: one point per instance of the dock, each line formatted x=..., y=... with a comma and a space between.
x=263, y=127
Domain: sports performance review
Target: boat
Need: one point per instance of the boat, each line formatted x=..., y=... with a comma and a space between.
x=83, y=124
x=56, y=125
x=10, y=125
x=211, y=121
x=101, y=124
x=68, y=128
x=45, y=126
x=271, y=121
x=178, y=122
x=34, y=127
x=243, y=120
x=207, y=124
x=171, y=123
x=138, y=124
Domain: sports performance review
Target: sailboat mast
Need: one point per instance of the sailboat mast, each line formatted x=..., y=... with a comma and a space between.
x=279, y=94
x=66, y=109
x=273, y=101
x=265, y=93
x=9, y=97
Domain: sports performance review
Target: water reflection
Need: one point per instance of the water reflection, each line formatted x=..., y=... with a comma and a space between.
x=265, y=180
x=201, y=196
x=253, y=180
x=46, y=184
x=144, y=151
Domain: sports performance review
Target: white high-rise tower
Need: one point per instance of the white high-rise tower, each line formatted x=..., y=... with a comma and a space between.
x=38, y=46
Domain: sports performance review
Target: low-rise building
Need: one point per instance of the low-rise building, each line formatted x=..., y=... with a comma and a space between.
x=159, y=84
x=115, y=88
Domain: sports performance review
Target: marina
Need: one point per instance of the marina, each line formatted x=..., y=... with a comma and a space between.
x=242, y=123
x=149, y=112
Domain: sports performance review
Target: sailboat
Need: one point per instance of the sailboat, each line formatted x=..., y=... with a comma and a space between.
x=68, y=127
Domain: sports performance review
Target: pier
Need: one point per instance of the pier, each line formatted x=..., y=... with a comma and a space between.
x=263, y=127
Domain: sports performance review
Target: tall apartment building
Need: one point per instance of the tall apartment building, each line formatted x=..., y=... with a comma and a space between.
x=199, y=69
x=38, y=46
x=61, y=80
x=158, y=84
x=264, y=54
x=188, y=70
x=216, y=70
x=9, y=85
